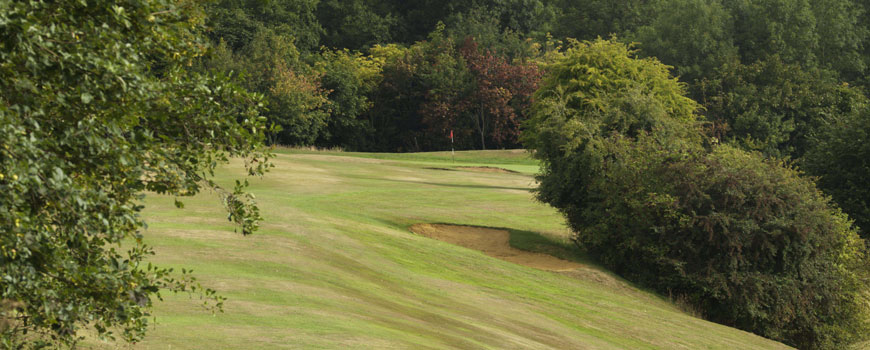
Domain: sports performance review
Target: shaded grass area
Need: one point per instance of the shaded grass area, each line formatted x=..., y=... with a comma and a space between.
x=559, y=247
x=334, y=267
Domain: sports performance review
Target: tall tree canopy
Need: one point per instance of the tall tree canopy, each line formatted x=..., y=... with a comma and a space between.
x=97, y=106
x=237, y=21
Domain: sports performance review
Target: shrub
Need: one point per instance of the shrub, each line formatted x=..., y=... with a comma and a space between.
x=597, y=88
x=747, y=240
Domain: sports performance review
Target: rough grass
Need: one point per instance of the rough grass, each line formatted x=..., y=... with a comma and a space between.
x=335, y=267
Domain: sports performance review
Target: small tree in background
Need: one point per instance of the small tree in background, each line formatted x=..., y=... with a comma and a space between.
x=501, y=92
x=446, y=81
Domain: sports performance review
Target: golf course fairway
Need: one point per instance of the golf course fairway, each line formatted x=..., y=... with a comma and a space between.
x=336, y=265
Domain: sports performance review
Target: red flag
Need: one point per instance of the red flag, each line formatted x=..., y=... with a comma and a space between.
x=451, y=135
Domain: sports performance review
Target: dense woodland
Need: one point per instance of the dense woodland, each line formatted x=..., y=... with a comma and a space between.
x=716, y=150
x=765, y=71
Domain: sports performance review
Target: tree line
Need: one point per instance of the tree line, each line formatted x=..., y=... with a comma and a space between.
x=730, y=53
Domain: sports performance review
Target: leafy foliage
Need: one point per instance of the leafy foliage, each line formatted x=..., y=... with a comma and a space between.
x=271, y=65
x=488, y=33
x=597, y=88
x=772, y=107
x=821, y=34
x=438, y=85
x=348, y=78
x=589, y=19
x=500, y=94
x=695, y=36
x=238, y=21
x=446, y=82
x=395, y=101
x=840, y=156
x=745, y=239
x=97, y=106
x=355, y=24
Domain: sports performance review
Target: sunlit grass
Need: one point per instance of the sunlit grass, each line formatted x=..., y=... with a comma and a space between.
x=334, y=266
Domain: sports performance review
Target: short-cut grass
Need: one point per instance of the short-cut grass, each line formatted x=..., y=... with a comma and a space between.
x=335, y=266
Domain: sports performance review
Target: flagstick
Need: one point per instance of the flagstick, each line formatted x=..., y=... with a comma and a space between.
x=452, y=149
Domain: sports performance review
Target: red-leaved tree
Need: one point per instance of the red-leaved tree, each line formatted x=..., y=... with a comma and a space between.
x=474, y=91
x=500, y=94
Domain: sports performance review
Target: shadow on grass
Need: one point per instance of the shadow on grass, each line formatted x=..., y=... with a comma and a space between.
x=592, y=271
x=538, y=243
x=535, y=242
x=435, y=168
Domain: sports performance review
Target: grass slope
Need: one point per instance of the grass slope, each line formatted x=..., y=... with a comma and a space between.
x=334, y=266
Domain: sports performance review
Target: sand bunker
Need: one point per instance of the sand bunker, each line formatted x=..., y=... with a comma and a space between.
x=494, y=243
x=487, y=169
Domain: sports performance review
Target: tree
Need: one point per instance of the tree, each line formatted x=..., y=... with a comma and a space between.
x=813, y=34
x=349, y=78
x=271, y=64
x=446, y=81
x=841, y=37
x=694, y=36
x=355, y=24
x=588, y=19
x=501, y=93
x=744, y=238
x=487, y=31
x=238, y=21
x=772, y=106
x=598, y=87
x=472, y=90
x=839, y=155
x=396, y=100
x=775, y=27
x=98, y=106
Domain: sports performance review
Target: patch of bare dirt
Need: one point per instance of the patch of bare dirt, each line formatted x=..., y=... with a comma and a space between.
x=495, y=243
x=487, y=169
